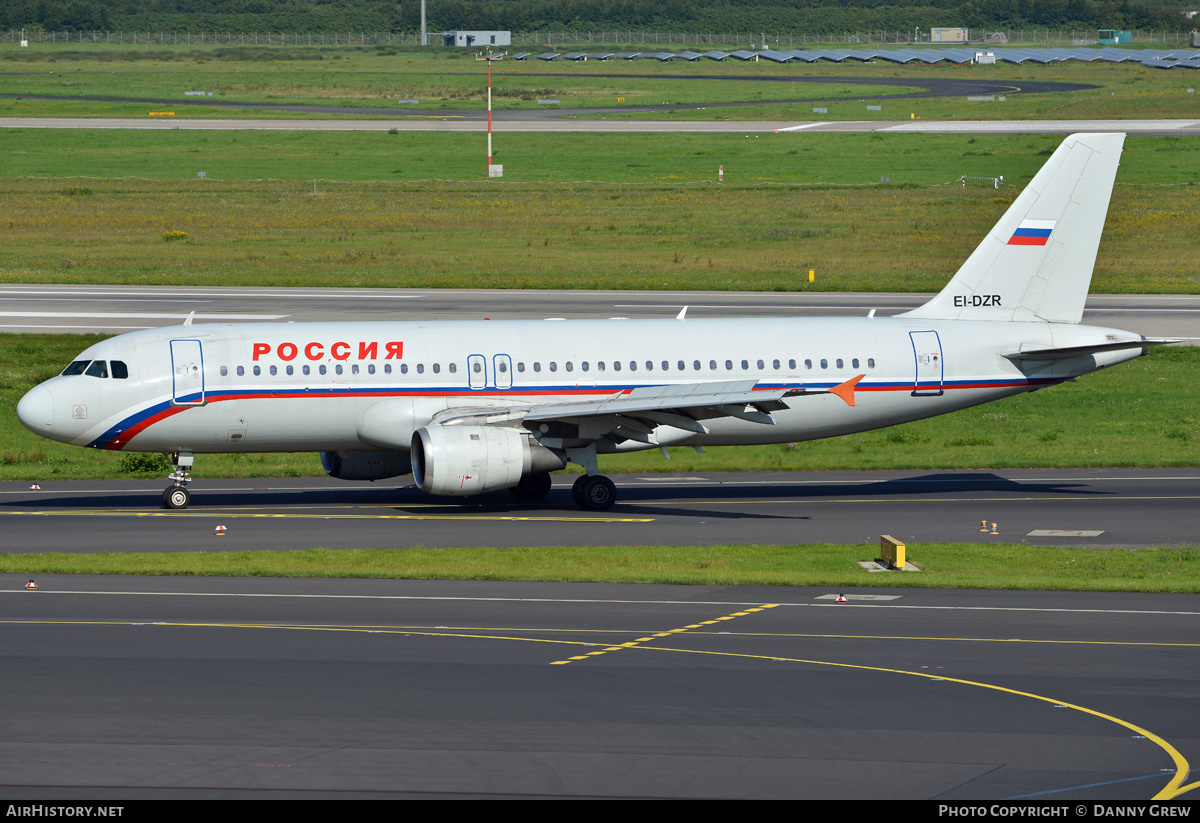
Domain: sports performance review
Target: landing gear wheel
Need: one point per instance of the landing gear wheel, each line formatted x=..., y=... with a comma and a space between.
x=594, y=492
x=176, y=497
x=532, y=487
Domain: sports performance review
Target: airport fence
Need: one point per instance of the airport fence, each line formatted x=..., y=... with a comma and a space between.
x=556, y=39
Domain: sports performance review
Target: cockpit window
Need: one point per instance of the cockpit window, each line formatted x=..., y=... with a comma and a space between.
x=76, y=368
x=119, y=370
x=99, y=368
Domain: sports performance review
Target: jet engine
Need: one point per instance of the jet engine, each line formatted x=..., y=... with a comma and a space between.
x=372, y=465
x=464, y=460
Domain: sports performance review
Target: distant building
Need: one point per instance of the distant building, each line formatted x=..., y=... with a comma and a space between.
x=948, y=36
x=1111, y=37
x=477, y=38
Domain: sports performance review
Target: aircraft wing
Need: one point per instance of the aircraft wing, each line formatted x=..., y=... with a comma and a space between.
x=636, y=413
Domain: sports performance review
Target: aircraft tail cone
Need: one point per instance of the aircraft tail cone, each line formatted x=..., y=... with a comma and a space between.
x=31, y=584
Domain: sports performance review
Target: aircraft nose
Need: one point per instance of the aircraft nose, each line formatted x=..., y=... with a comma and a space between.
x=36, y=410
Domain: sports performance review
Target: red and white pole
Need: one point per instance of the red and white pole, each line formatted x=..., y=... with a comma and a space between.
x=489, y=62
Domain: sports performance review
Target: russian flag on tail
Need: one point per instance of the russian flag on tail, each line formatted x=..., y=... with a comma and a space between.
x=1032, y=233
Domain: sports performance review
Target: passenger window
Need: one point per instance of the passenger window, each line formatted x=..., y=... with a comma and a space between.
x=746, y=365
x=553, y=366
x=121, y=372
x=305, y=368
x=762, y=365
x=680, y=365
x=437, y=368
x=520, y=366
x=808, y=364
x=354, y=369
x=616, y=365
x=477, y=367
x=729, y=365
x=420, y=368
x=241, y=371
x=570, y=366
x=257, y=371
x=839, y=362
x=854, y=363
x=387, y=368
x=584, y=365
x=696, y=365
x=454, y=368
x=791, y=364
x=321, y=368
x=870, y=362
x=290, y=371
x=600, y=366
x=537, y=366
x=403, y=368
x=274, y=371
x=76, y=367
x=712, y=365
x=824, y=363
x=336, y=369
x=224, y=371
x=99, y=368
x=370, y=368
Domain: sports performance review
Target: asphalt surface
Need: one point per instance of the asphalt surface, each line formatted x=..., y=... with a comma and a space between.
x=117, y=309
x=1096, y=508
x=934, y=87
x=181, y=688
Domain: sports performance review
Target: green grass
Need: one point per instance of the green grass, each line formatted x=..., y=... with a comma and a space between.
x=449, y=79
x=629, y=211
x=1143, y=413
x=944, y=565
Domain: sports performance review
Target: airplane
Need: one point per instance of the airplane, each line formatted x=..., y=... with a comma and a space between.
x=474, y=407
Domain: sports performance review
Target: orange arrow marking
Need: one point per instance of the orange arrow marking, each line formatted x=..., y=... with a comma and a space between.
x=846, y=390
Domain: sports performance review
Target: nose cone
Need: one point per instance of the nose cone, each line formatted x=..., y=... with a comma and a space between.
x=36, y=410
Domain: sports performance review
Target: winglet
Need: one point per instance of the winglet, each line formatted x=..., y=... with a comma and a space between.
x=682, y=313
x=188, y=321
x=846, y=390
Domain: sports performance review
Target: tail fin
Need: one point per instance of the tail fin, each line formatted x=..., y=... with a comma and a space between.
x=1036, y=263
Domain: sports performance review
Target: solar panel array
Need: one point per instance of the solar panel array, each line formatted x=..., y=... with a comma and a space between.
x=1151, y=58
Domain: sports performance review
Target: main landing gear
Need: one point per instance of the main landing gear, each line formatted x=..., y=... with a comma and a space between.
x=591, y=491
x=177, y=496
x=594, y=492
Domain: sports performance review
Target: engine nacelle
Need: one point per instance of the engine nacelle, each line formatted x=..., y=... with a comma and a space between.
x=374, y=465
x=463, y=460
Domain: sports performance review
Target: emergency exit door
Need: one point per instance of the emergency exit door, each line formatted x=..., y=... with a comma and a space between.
x=927, y=352
x=187, y=373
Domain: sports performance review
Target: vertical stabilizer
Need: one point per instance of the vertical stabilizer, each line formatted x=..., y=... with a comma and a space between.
x=1036, y=263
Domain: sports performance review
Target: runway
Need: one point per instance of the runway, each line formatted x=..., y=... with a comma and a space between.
x=183, y=688
x=1094, y=508
x=508, y=122
x=116, y=309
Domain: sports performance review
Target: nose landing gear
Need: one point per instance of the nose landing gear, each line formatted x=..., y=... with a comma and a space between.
x=177, y=496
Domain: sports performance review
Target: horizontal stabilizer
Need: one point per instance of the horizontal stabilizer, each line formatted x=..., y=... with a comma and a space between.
x=1077, y=351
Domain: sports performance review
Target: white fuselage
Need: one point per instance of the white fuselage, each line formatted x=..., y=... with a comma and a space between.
x=264, y=387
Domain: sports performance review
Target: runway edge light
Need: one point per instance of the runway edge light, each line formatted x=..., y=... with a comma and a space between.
x=219, y=531
x=31, y=584
x=841, y=598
